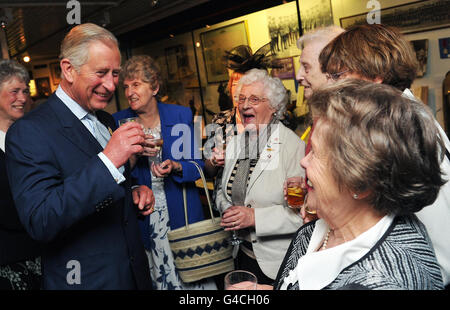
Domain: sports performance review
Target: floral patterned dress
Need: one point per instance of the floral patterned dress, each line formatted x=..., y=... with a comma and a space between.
x=162, y=267
x=24, y=275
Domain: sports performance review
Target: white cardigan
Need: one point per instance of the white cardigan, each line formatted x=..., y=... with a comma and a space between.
x=436, y=217
x=275, y=222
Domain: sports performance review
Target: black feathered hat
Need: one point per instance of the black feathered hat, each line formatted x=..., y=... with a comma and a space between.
x=241, y=59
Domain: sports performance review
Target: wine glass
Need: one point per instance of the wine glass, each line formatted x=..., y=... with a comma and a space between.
x=235, y=240
x=240, y=280
x=153, y=143
x=221, y=143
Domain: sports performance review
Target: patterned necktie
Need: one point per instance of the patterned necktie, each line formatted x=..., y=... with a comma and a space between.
x=99, y=130
x=101, y=133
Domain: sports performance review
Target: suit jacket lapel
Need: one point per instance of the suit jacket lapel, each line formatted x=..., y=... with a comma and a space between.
x=73, y=129
x=106, y=119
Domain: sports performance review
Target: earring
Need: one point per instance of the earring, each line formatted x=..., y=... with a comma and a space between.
x=355, y=196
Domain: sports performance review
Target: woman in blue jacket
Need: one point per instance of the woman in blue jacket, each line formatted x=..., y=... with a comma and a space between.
x=142, y=81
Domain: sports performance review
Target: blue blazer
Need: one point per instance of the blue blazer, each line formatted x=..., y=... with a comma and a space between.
x=66, y=197
x=177, y=132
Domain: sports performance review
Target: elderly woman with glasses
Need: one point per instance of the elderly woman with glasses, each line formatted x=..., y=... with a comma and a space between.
x=257, y=163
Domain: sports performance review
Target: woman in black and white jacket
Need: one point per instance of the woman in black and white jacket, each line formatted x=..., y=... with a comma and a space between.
x=374, y=163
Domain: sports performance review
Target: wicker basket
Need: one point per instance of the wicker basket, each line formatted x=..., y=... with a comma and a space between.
x=202, y=249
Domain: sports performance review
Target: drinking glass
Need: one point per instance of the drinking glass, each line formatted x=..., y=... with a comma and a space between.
x=153, y=140
x=219, y=150
x=221, y=143
x=126, y=120
x=240, y=280
x=295, y=192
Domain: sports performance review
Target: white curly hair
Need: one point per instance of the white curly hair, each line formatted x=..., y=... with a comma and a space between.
x=274, y=89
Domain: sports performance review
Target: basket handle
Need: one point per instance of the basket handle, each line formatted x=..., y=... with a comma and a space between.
x=200, y=171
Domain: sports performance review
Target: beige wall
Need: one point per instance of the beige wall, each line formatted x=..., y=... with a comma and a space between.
x=258, y=35
x=436, y=67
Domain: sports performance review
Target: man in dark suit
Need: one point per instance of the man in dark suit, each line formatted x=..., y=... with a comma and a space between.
x=69, y=174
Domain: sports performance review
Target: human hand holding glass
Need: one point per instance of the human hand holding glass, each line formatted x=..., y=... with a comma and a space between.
x=217, y=157
x=240, y=280
x=221, y=144
x=125, y=143
x=218, y=152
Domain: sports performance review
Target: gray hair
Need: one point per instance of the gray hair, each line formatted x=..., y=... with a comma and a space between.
x=380, y=142
x=143, y=67
x=75, y=45
x=274, y=89
x=12, y=69
x=323, y=34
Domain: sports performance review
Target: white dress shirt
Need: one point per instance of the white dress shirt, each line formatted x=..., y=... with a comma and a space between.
x=316, y=269
x=80, y=113
x=2, y=140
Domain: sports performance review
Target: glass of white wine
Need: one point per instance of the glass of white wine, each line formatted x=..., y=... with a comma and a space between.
x=153, y=145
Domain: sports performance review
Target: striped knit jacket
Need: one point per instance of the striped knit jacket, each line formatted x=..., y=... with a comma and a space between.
x=402, y=259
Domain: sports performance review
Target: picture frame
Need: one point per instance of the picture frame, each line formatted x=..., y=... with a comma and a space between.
x=444, y=48
x=43, y=87
x=315, y=14
x=177, y=62
x=287, y=70
x=55, y=72
x=214, y=44
x=421, y=49
x=283, y=29
x=412, y=17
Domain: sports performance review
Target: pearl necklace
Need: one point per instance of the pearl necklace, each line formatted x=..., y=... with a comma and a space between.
x=325, y=241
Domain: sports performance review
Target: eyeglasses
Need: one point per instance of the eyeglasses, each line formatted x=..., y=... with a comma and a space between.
x=252, y=100
x=336, y=76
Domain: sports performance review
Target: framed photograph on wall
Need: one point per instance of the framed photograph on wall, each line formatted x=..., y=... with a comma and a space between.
x=55, y=72
x=315, y=14
x=283, y=28
x=444, y=47
x=215, y=43
x=177, y=63
x=286, y=68
x=409, y=18
x=43, y=87
x=421, y=49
